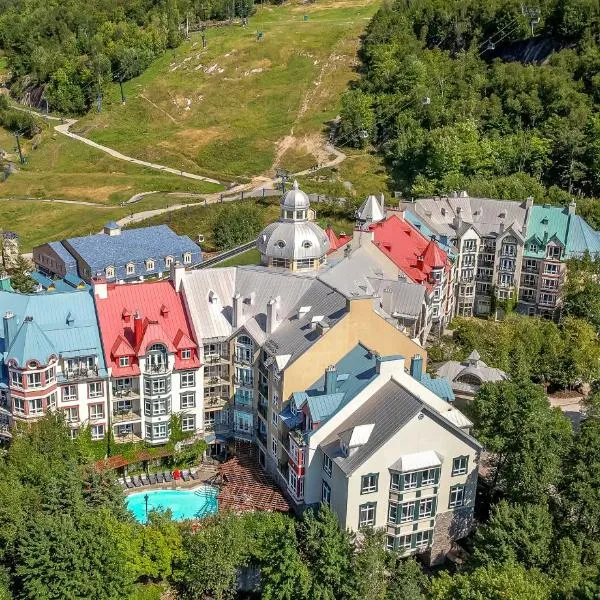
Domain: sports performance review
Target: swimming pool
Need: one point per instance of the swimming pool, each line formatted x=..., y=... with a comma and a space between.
x=184, y=504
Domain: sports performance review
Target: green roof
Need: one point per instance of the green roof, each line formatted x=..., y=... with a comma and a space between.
x=544, y=223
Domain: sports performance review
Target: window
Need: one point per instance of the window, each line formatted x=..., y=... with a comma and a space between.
x=69, y=393
x=505, y=279
x=157, y=431
x=408, y=512
x=273, y=445
x=187, y=400
x=551, y=269
x=390, y=543
x=72, y=414
x=244, y=397
x=460, y=465
x=149, y=264
x=404, y=542
x=50, y=375
x=186, y=354
x=96, y=411
x=425, y=508
x=97, y=432
x=244, y=376
x=209, y=418
x=156, y=407
x=366, y=514
x=468, y=260
x=549, y=299
x=187, y=258
x=457, y=496
x=304, y=263
x=280, y=262
x=369, y=483
x=531, y=265
x=422, y=538
x=428, y=477
x=507, y=264
x=188, y=379
x=553, y=252
x=36, y=407
x=325, y=492
x=549, y=283
x=242, y=422
x=393, y=513
x=124, y=361
x=529, y=280
x=95, y=389
x=168, y=261
x=327, y=464
x=73, y=433
x=15, y=378
x=110, y=272
x=275, y=418
x=130, y=269
x=188, y=423
x=18, y=405
x=125, y=429
x=469, y=245
x=122, y=407
x=34, y=380
x=395, y=481
x=51, y=402
x=410, y=481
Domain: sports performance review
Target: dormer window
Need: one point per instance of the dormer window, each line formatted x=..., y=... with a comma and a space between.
x=149, y=265
x=306, y=244
x=124, y=361
x=110, y=272
x=186, y=354
x=130, y=269
x=281, y=244
x=168, y=261
x=187, y=258
x=344, y=448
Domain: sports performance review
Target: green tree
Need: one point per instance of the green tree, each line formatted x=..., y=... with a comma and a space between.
x=327, y=550
x=357, y=119
x=236, y=224
x=19, y=276
x=508, y=581
x=526, y=438
x=370, y=568
x=407, y=580
x=519, y=533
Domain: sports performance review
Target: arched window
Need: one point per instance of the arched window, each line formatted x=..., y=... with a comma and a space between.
x=187, y=258
x=149, y=264
x=469, y=379
x=130, y=269
x=244, y=349
x=157, y=359
x=110, y=272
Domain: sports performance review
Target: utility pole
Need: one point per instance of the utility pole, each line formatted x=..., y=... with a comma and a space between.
x=122, y=92
x=21, y=159
x=99, y=96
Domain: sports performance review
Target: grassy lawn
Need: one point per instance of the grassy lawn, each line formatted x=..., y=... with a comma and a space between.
x=250, y=257
x=222, y=111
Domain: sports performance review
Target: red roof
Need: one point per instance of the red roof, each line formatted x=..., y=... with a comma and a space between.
x=408, y=248
x=162, y=319
x=336, y=242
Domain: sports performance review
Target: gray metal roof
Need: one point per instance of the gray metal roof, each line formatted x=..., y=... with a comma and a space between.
x=371, y=210
x=389, y=409
x=473, y=365
x=293, y=240
x=295, y=199
x=483, y=214
x=406, y=297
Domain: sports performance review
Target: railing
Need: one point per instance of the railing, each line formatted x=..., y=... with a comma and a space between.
x=213, y=359
x=156, y=369
x=213, y=401
x=243, y=381
x=297, y=437
x=244, y=360
x=126, y=415
x=214, y=380
x=83, y=373
x=261, y=437
x=128, y=393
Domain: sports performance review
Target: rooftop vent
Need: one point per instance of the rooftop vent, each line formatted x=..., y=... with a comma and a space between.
x=303, y=311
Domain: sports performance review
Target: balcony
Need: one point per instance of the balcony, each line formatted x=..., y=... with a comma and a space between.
x=242, y=434
x=121, y=416
x=126, y=394
x=297, y=436
x=216, y=359
x=218, y=428
x=156, y=368
x=215, y=380
x=80, y=373
x=263, y=410
x=244, y=381
x=243, y=406
x=127, y=438
x=243, y=360
x=215, y=401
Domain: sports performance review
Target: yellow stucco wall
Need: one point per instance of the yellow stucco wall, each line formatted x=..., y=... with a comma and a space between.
x=361, y=324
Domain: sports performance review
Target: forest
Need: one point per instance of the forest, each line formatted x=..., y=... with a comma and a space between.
x=62, y=53
x=438, y=99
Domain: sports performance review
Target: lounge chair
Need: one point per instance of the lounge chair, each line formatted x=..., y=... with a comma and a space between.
x=121, y=481
x=137, y=481
x=160, y=478
x=152, y=478
x=145, y=479
x=193, y=475
x=185, y=475
x=129, y=482
x=168, y=476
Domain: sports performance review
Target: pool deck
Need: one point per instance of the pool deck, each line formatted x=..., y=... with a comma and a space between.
x=203, y=474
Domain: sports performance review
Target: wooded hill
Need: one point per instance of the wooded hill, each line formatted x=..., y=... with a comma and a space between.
x=448, y=115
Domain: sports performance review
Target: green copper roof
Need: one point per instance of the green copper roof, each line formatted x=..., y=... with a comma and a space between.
x=30, y=343
x=544, y=223
x=582, y=238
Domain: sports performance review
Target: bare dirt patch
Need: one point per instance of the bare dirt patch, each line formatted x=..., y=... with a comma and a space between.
x=101, y=193
x=192, y=139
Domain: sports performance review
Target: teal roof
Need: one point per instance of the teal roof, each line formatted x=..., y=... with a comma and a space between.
x=30, y=343
x=544, y=223
x=582, y=238
x=57, y=285
x=439, y=386
x=66, y=320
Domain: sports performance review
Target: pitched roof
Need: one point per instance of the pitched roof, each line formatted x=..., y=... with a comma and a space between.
x=116, y=317
x=336, y=242
x=30, y=343
x=545, y=222
x=371, y=210
x=582, y=238
x=406, y=297
x=406, y=247
x=67, y=319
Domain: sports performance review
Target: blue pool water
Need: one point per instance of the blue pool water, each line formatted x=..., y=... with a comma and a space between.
x=184, y=504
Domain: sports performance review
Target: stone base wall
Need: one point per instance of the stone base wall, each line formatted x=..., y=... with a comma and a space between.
x=449, y=527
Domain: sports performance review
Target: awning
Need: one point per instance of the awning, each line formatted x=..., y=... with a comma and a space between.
x=417, y=461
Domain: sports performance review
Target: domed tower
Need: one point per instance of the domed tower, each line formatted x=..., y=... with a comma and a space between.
x=293, y=242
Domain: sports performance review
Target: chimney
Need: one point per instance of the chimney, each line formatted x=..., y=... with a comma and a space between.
x=330, y=379
x=138, y=328
x=176, y=275
x=501, y=227
x=382, y=202
x=416, y=367
x=420, y=262
x=10, y=328
x=457, y=222
x=572, y=207
x=322, y=327
x=529, y=202
x=271, y=315
x=237, y=310
x=100, y=287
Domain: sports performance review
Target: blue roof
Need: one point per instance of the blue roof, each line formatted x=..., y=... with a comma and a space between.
x=66, y=284
x=67, y=258
x=62, y=322
x=582, y=238
x=439, y=386
x=133, y=246
x=111, y=225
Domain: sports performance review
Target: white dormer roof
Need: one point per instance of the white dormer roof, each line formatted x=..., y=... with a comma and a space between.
x=370, y=211
x=357, y=436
